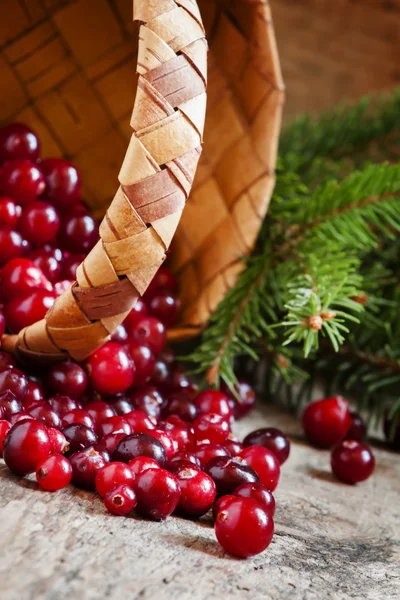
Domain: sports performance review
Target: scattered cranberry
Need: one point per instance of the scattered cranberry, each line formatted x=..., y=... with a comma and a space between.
x=180, y=382
x=147, y=399
x=270, y=438
x=186, y=456
x=120, y=335
x=109, y=442
x=179, y=404
x=2, y=325
x=168, y=356
x=22, y=181
x=9, y=212
x=79, y=437
x=244, y=528
x=164, y=279
x=100, y=411
x=46, y=415
x=158, y=493
x=70, y=264
x=197, y=492
x=18, y=141
x=34, y=394
x=9, y=405
x=140, y=444
x=39, y=223
x=165, y=307
x=265, y=464
x=205, y=452
x=85, y=465
x=63, y=185
x=68, y=379
x=54, y=473
x=161, y=376
x=5, y=427
x=140, y=421
x=352, y=462
x=25, y=446
x=142, y=463
x=11, y=245
x=63, y=404
x=243, y=401
x=211, y=427
x=168, y=443
x=114, y=424
x=357, y=430
x=59, y=444
x=233, y=445
x=150, y=331
x=21, y=416
x=122, y=406
x=78, y=416
x=144, y=361
x=28, y=308
x=6, y=361
x=221, y=503
x=120, y=500
x=259, y=493
x=14, y=381
x=20, y=276
x=110, y=369
x=181, y=435
x=112, y=475
x=228, y=473
x=213, y=401
x=78, y=233
x=46, y=261
x=326, y=421
x=138, y=311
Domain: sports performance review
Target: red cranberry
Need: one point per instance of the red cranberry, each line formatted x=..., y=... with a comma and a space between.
x=46, y=415
x=264, y=463
x=147, y=399
x=120, y=335
x=140, y=444
x=138, y=311
x=63, y=404
x=233, y=445
x=6, y=361
x=181, y=382
x=109, y=442
x=164, y=279
x=178, y=403
x=9, y=405
x=34, y=394
x=59, y=444
x=221, y=503
x=150, y=331
x=112, y=475
x=14, y=381
x=54, y=473
x=259, y=493
x=78, y=233
x=228, y=473
x=100, y=411
x=22, y=181
x=161, y=376
x=158, y=493
x=205, y=452
x=213, y=401
x=70, y=264
x=165, y=307
x=197, y=492
x=181, y=435
x=63, y=185
x=39, y=223
x=25, y=446
x=21, y=275
x=9, y=212
x=68, y=378
x=114, y=425
x=168, y=356
x=186, y=456
x=122, y=406
x=352, y=462
x=78, y=416
x=21, y=416
x=211, y=427
x=326, y=421
x=5, y=427
x=27, y=308
x=270, y=438
x=244, y=528
x=79, y=437
x=357, y=430
x=18, y=141
x=243, y=401
x=85, y=465
x=142, y=463
x=47, y=263
x=120, y=500
x=144, y=361
x=110, y=369
x=2, y=325
x=392, y=431
x=166, y=440
x=11, y=245
x=140, y=421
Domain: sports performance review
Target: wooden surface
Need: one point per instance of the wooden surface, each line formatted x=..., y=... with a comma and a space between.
x=332, y=542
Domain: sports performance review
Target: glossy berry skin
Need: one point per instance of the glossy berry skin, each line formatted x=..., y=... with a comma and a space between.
x=357, y=430
x=326, y=421
x=233, y=445
x=100, y=411
x=6, y=361
x=161, y=376
x=120, y=335
x=221, y=503
x=109, y=442
x=142, y=463
x=264, y=463
x=181, y=435
x=149, y=331
x=54, y=473
x=9, y=212
x=78, y=416
x=39, y=223
x=179, y=404
x=28, y=308
x=59, y=444
x=164, y=279
x=21, y=416
x=197, y=492
x=211, y=427
x=213, y=401
x=78, y=437
x=247, y=399
x=63, y=185
x=120, y=500
x=22, y=181
x=352, y=461
x=5, y=427
x=158, y=493
x=270, y=438
x=70, y=264
x=46, y=415
x=25, y=446
x=205, y=452
x=140, y=421
x=20, y=276
x=147, y=399
x=122, y=406
x=2, y=325
x=18, y=141
x=228, y=473
x=85, y=465
x=112, y=475
x=144, y=361
x=168, y=443
x=78, y=233
x=138, y=311
x=11, y=245
x=114, y=424
x=244, y=528
x=14, y=381
x=110, y=369
x=186, y=456
x=47, y=263
x=259, y=493
x=140, y=444
x=165, y=307
x=67, y=378
x=63, y=404
x=9, y=405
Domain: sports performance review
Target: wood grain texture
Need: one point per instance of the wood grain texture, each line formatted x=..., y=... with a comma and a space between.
x=332, y=542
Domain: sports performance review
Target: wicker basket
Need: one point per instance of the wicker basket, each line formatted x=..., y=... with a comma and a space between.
x=68, y=72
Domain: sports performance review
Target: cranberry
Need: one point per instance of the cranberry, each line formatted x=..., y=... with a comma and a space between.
x=221, y=503
x=109, y=442
x=326, y=421
x=197, y=492
x=178, y=403
x=228, y=473
x=9, y=405
x=18, y=141
x=142, y=463
x=140, y=444
x=70, y=264
x=158, y=493
x=264, y=463
x=28, y=308
x=122, y=406
x=68, y=378
x=150, y=331
x=112, y=475
x=59, y=444
x=233, y=445
x=164, y=279
x=205, y=452
x=164, y=439
x=79, y=437
x=21, y=275
x=78, y=233
x=120, y=500
x=62, y=286
x=63, y=404
x=120, y=335
x=5, y=427
x=270, y=438
x=243, y=400
x=114, y=425
x=46, y=415
x=25, y=446
x=20, y=416
x=357, y=430
x=181, y=435
x=34, y=394
x=63, y=185
x=54, y=473
x=6, y=361
x=110, y=369
x=140, y=421
x=181, y=382
x=11, y=245
x=85, y=465
x=259, y=493
x=22, y=181
x=352, y=461
x=213, y=401
x=9, y=212
x=144, y=361
x=244, y=528
x=184, y=455
x=78, y=416
x=39, y=223
x=392, y=431
x=211, y=427
x=100, y=411
x=47, y=263
x=168, y=356
x=138, y=311
x=147, y=399
x=14, y=381
x=165, y=307
x=161, y=376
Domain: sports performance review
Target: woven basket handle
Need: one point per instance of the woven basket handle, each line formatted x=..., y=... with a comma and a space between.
x=155, y=181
